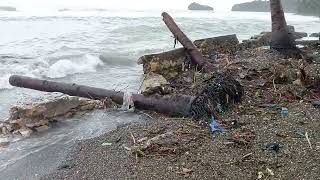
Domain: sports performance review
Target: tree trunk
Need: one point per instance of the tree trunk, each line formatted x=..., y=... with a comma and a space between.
x=180, y=106
x=195, y=54
x=281, y=39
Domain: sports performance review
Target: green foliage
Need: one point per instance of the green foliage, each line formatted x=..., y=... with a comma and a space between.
x=309, y=7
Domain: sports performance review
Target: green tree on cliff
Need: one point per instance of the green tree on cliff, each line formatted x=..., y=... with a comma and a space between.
x=309, y=7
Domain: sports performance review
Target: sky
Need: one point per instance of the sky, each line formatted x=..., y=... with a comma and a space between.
x=219, y=5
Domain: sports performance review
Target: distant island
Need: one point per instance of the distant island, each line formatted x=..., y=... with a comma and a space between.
x=7, y=8
x=303, y=7
x=199, y=7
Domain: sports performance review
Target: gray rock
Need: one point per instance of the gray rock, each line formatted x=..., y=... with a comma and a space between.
x=42, y=128
x=197, y=6
x=152, y=82
x=315, y=35
x=291, y=28
x=25, y=132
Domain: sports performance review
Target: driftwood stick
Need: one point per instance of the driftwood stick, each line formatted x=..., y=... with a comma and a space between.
x=195, y=54
x=179, y=106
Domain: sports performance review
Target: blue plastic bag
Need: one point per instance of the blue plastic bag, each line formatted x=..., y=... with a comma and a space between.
x=215, y=127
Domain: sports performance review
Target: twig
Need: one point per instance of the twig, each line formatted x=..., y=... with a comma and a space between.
x=307, y=137
x=134, y=142
x=274, y=85
x=144, y=77
x=133, y=138
x=240, y=160
x=246, y=156
x=193, y=125
x=147, y=115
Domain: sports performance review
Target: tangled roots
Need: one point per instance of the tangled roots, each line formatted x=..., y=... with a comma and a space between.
x=216, y=96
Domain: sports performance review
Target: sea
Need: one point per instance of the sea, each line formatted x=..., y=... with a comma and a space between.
x=99, y=48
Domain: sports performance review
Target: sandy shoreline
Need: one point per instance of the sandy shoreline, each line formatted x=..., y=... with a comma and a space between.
x=261, y=141
x=193, y=153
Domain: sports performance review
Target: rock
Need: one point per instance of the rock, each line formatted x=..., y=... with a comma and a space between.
x=264, y=38
x=170, y=64
x=51, y=109
x=42, y=128
x=4, y=141
x=87, y=107
x=37, y=124
x=220, y=44
x=153, y=82
x=291, y=28
x=39, y=115
x=25, y=132
x=7, y=8
x=197, y=6
x=299, y=35
x=315, y=35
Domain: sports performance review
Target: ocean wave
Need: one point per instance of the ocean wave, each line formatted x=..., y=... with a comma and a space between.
x=41, y=68
x=116, y=60
x=77, y=10
x=65, y=67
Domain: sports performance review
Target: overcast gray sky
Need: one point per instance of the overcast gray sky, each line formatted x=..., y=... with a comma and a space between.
x=219, y=5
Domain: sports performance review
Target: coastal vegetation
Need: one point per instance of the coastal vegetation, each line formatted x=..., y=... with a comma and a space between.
x=302, y=7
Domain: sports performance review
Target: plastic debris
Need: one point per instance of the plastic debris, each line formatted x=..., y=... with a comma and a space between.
x=106, y=144
x=215, y=127
x=128, y=104
x=273, y=146
x=316, y=104
x=284, y=112
x=220, y=108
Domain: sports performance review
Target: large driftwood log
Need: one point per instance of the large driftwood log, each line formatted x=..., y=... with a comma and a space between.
x=218, y=93
x=179, y=106
x=195, y=54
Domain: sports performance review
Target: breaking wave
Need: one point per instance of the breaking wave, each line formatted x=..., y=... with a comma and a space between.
x=66, y=67
x=39, y=68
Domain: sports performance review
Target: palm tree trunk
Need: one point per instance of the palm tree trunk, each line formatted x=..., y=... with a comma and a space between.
x=195, y=54
x=281, y=39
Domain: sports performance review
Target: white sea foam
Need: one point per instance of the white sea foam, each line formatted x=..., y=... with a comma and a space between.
x=4, y=82
x=64, y=67
x=41, y=68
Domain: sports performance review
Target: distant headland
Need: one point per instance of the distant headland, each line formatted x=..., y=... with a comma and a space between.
x=199, y=7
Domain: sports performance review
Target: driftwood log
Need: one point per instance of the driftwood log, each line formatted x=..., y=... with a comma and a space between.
x=195, y=54
x=174, y=107
x=216, y=95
